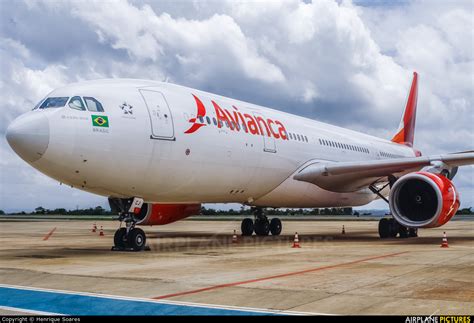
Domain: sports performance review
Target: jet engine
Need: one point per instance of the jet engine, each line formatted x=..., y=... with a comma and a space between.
x=158, y=214
x=423, y=200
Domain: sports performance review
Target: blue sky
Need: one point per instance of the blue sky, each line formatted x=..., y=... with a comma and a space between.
x=345, y=63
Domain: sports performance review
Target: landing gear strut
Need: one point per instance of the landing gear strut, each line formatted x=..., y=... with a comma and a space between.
x=260, y=225
x=389, y=228
x=130, y=237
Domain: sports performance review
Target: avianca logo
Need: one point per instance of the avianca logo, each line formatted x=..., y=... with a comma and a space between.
x=201, y=112
x=255, y=125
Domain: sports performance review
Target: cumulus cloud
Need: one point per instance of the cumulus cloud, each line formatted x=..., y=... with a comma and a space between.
x=341, y=62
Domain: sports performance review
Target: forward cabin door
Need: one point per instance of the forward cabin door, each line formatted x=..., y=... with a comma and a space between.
x=160, y=115
x=269, y=145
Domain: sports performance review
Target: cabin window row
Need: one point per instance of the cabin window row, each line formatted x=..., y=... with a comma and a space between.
x=226, y=124
x=389, y=155
x=295, y=136
x=336, y=144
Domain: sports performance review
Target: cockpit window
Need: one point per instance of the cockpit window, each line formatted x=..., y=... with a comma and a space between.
x=76, y=103
x=38, y=104
x=54, y=102
x=93, y=105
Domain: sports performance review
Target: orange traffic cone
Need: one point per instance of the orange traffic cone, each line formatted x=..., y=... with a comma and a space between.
x=444, y=244
x=94, y=228
x=234, y=238
x=296, y=241
x=101, y=233
x=343, y=230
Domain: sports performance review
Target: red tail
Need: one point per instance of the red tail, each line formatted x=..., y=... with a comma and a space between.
x=406, y=131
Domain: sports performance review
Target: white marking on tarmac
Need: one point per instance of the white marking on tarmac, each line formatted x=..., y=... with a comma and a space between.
x=127, y=298
x=17, y=309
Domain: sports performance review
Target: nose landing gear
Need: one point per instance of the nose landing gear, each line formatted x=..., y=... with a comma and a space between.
x=130, y=237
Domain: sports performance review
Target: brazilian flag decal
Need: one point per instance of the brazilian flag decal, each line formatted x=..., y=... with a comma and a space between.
x=100, y=121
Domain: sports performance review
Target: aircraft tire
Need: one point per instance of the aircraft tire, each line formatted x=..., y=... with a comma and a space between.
x=137, y=239
x=413, y=232
x=247, y=227
x=120, y=240
x=403, y=232
x=275, y=226
x=384, y=228
x=262, y=227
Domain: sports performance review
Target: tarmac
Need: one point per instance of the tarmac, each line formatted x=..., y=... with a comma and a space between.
x=193, y=268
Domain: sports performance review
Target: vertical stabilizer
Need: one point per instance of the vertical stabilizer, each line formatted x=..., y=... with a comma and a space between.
x=406, y=131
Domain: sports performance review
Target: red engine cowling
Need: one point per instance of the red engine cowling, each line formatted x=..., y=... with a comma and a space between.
x=158, y=214
x=423, y=200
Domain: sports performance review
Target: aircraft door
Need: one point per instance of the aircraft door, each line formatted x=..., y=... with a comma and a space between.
x=269, y=145
x=160, y=115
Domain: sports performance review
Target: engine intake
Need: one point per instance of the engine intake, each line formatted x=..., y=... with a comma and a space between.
x=423, y=200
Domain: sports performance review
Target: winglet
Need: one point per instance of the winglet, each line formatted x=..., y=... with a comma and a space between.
x=406, y=130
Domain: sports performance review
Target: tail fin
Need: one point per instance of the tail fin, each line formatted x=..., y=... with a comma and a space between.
x=406, y=130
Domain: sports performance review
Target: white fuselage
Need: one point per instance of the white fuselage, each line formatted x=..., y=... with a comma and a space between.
x=152, y=149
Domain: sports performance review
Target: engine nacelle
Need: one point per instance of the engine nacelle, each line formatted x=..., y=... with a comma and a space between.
x=423, y=200
x=158, y=214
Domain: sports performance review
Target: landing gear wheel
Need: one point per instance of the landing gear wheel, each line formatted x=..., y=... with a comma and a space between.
x=413, y=232
x=394, y=228
x=137, y=239
x=275, y=226
x=403, y=231
x=120, y=238
x=262, y=227
x=384, y=228
x=247, y=227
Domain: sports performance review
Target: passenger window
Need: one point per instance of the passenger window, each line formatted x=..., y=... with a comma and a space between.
x=208, y=120
x=76, y=103
x=215, y=121
x=54, y=102
x=93, y=105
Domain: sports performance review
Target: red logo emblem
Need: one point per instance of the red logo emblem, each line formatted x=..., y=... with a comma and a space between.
x=201, y=112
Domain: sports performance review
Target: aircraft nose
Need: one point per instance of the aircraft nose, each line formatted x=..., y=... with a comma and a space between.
x=28, y=135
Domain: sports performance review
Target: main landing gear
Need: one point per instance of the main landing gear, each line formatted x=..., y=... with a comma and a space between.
x=390, y=228
x=261, y=225
x=130, y=237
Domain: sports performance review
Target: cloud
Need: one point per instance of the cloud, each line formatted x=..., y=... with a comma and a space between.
x=334, y=61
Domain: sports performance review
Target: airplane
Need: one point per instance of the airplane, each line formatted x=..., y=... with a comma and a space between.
x=159, y=150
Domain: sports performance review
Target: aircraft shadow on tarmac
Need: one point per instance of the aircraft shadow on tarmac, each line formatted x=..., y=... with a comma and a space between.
x=196, y=241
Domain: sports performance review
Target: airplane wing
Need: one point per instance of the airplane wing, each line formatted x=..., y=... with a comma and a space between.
x=353, y=176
